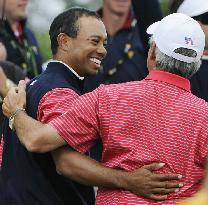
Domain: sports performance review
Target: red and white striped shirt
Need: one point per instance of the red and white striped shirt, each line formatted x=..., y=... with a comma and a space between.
x=154, y=120
x=54, y=103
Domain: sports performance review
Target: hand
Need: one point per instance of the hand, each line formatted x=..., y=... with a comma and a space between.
x=145, y=183
x=3, y=52
x=16, y=98
x=3, y=87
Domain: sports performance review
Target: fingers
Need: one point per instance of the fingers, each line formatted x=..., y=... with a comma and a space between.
x=22, y=91
x=14, y=99
x=164, y=191
x=167, y=177
x=162, y=177
x=13, y=91
x=157, y=198
x=154, y=166
x=5, y=109
x=167, y=185
x=21, y=86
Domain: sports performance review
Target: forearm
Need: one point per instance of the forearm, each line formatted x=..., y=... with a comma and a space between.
x=34, y=135
x=87, y=171
x=27, y=130
x=142, y=181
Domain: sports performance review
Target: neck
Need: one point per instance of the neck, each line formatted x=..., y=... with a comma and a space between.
x=69, y=67
x=112, y=21
x=57, y=57
x=14, y=24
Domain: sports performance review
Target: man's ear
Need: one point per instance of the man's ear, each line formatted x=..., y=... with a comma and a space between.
x=151, y=59
x=152, y=51
x=64, y=41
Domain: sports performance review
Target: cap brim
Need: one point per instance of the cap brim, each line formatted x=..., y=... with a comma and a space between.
x=152, y=27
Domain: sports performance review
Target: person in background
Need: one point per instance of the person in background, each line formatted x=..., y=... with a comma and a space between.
x=20, y=42
x=199, y=11
x=78, y=37
x=10, y=75
x=139, y=122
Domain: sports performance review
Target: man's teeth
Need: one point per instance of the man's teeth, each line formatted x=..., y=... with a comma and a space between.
x=95, y=60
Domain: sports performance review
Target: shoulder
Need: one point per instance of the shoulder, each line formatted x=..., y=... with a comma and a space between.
x=59, y=94
x=119, y=88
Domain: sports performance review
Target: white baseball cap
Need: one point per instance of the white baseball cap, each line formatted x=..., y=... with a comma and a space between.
x=178, y=31
x=193, y=7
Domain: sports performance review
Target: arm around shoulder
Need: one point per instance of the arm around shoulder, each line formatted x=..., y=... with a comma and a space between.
x=36, y=136
x=142, y=181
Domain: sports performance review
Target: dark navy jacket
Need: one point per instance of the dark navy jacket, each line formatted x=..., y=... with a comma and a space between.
x=199, y=82
x=31, y=179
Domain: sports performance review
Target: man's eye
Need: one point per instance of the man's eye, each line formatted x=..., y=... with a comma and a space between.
x=95, y=42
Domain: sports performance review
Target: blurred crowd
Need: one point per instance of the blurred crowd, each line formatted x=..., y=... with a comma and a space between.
x=113, y=45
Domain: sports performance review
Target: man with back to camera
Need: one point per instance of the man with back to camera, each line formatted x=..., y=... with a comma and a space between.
x=156, y=119
x=78, y=37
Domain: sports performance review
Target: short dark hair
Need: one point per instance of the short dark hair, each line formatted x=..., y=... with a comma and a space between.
x=66, y=22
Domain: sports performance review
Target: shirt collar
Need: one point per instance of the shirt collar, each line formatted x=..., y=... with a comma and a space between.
x=71, y=69
x=169, y=78
x=128, y=22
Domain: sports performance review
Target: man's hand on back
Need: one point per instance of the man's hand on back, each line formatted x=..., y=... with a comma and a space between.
x=144, y=182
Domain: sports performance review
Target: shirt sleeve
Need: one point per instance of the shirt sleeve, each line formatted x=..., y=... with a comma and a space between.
x=79, y=126
x=54, y=103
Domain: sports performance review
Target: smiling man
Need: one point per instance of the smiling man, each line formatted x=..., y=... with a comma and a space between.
x=78, y=37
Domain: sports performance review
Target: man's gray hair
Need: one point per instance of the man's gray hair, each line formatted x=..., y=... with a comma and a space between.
x=171, y=65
